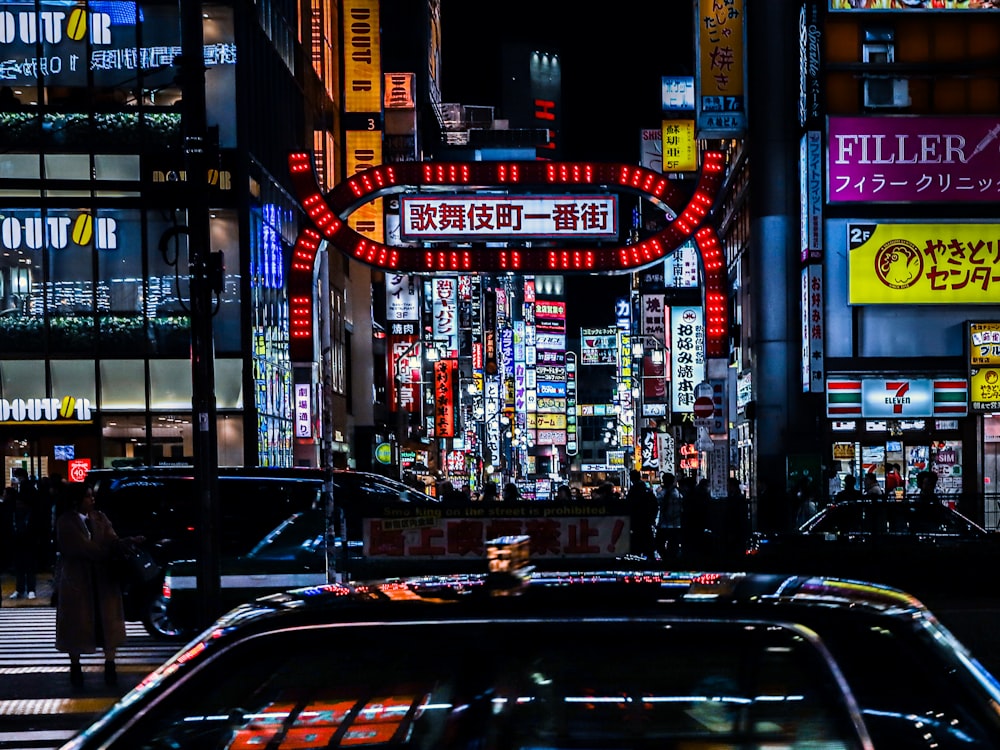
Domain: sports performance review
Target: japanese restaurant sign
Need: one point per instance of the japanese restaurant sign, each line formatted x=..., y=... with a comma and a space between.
x=929, y=264
x=719, y=49
x=482, y=217
x=444, y=398
x=893, y=159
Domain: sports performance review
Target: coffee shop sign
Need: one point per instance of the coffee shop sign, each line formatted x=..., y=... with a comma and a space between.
x=46, y=410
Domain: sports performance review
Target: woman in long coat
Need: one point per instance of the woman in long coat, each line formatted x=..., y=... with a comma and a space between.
x=89, y=613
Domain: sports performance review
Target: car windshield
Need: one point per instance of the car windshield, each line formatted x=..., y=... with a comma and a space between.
x=511, y=684
x=302, y=532
x=906, y=519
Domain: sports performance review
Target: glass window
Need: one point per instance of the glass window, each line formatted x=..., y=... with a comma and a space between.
x=116, y=167
x=73, y=377
x=230, y=438
x=119, y=261
x=22, y=379
x=20, y=166
x=123, y=384
x=228, y=383
x=225, y=237
x=502, y=684
x=67, y=166
x=170, y=384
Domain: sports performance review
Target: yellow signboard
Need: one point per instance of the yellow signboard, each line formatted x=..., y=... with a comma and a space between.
x=680, y=146
x=984, y=344
x=923, y=264
x=364, y=150
x=984, y=389
x=362, y=56
x=550, y=421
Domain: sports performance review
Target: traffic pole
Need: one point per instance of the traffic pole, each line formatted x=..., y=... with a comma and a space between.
x=195, y=130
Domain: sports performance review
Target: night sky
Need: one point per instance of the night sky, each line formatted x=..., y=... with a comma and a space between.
x=612, y=56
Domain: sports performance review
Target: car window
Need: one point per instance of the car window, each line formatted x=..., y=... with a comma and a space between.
x=302, y=533
x=918, y=697
x=509, y=685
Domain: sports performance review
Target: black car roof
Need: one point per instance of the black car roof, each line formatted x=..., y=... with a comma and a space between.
x=578, y=594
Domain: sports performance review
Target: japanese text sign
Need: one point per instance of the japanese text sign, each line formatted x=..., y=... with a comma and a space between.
x=896, y=159
x=930, y=264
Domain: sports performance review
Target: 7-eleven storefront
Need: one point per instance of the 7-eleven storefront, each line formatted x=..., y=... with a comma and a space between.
x=919, y=424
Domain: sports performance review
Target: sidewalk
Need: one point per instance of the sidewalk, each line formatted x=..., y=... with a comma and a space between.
x=43, y=591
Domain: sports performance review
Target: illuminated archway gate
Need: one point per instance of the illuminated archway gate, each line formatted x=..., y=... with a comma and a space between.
x=329, y=213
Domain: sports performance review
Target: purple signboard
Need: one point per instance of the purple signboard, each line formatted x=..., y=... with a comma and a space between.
x=913, y=159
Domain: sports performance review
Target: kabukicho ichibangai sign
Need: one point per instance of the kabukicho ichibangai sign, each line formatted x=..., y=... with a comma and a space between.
x=928, y=264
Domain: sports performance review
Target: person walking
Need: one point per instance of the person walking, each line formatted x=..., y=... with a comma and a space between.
x=642, y=515
x=27, y=522
x=850, y=490
x=695, y=509
x=873, y=490
x=893, y=481
x=89, y=610
x=669, y=504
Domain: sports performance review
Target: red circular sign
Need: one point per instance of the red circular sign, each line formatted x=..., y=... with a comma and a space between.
x=704, y=406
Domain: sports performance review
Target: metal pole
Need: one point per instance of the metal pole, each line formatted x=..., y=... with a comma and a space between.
x=202, y=347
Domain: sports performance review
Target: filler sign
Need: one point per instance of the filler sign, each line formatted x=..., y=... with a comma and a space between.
x=478, y=217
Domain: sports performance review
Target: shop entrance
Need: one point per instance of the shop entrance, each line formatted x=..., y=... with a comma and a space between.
x=23, y=453
x=912, y=455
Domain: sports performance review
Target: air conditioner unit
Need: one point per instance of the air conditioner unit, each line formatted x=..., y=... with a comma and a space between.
x=887, y=92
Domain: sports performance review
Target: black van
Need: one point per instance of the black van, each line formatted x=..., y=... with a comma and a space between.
x=161, y=504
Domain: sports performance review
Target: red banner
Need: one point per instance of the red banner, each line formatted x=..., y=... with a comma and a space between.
x=444, y=398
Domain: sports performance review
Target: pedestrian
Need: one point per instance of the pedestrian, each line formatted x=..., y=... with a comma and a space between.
x=447, y=493
x=806, y=506
x=850, y=490
x=89, y=611
x=642, y=515
x=695, y=509
x=577, y=495
x=873, y=490
x=563, y=494
x=928, y=487
x=27, y=531
x=736, y=521
x=510, y=493
x=669, y=505
x=893, y=481
x=489, y=492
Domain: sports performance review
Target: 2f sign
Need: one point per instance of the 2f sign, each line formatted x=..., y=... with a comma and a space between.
x=859, y=234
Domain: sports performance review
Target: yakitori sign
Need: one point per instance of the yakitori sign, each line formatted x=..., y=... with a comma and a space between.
x=905, y=159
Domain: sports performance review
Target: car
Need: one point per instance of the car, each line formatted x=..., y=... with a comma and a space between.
x=601, y=659
x=160, y=503
x=926, y=548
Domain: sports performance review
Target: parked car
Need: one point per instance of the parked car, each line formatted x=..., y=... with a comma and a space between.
x=161, y=504
x=925, y=548
x=567, y=660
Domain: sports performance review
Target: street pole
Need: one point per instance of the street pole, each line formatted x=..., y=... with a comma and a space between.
x=195, y=128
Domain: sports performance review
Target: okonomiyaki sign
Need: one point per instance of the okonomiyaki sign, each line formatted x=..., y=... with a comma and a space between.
x=935, y=264
x=901, y=158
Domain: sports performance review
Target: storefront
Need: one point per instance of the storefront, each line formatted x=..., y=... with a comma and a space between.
x=918, y=424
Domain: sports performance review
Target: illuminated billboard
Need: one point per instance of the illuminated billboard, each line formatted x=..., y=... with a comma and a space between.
x=486, y=217
x=903, y=159
x=928, y=264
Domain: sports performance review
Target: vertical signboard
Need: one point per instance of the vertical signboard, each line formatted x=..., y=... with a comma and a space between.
x=812, y=329
x=811, y=196
x=303, y=410
x=719, y=47
x=444, y=306
x=679, y=146
x=444, y=398
x=687, y=361
x=362, y=56
x=364, y=150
